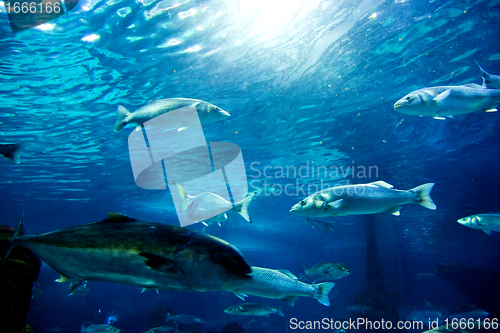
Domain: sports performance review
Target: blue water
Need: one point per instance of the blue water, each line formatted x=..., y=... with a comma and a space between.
x=306, y=83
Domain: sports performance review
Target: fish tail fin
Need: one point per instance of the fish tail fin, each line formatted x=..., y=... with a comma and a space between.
x=424, y=198
x=184, y=197
x=242, y=207
x=121, y=121
x=321, y=293
x=13, y=152
x=279, y=311
x=17, y=232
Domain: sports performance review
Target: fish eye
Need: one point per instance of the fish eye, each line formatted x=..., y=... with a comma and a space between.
x=303, y=202
x=409, y=98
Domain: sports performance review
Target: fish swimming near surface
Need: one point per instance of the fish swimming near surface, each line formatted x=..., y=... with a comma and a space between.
x=326, y=271
x=484, y=222
x=12, y=152
x=377, y=197
x=208, y=205
x=100, y=329
x=489, y=80
x=253, y=309
x=324, y=226
x=448, y=101
x=184, y=319
x=144, y=254
x=282, y=284
x=207, y=113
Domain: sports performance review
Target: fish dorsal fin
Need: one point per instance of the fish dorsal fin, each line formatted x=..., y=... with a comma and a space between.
x=381, y=183
x=287, y=273
x=117, y=218
x=473, y=85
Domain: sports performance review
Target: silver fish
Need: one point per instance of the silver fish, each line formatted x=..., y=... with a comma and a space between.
x=324, y=226
x=489, y=80
x=326, y=271
x=484, y=222
x=282, y=284
x=207, y=205
x=377, y=197
x=163, y=329
x=144, y=254
x=448, y=101
x=12, y=152
x=184, y=319
x=100, y=329
x=207, y=113
x=253, y=309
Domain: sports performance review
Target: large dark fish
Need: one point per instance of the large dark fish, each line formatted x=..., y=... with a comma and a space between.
x=145, y=254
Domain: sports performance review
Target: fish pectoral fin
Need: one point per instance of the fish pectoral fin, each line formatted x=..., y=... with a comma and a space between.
x=395, y=211
x=442, y=96
x=66, y=279
x=287, y=273
x=383, y=184
x=241, y=296
x=488, y=232
x=438, y=117
x=290, y=300
x=159, y=263
x=335, y=204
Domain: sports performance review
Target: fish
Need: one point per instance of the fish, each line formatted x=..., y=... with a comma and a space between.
x=12, y=152
x=326, y=271
x=448, y=101
x=163, y=329
x=282, y=284
x=484, y=222
x=145, y=254
x=78, y=287
x=100, y=329
x=372, y=198
x=184, y=319
x=489, y=80
x=208, y=205
x=253, y=309
x=324, y=226
x=207, y=113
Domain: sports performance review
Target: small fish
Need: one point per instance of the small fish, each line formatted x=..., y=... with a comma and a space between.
x=448, y=101
x=144, y=254
x=253, y=309
x=184, y=319
x=12, y=152
x=326, y=271
x=207, y=113
x=282, y=284
x=377, y=197
x=78, y=287
x=489, y=80
x=163, y=329
x=320, y=225
x=484, y=222
x=208, y=205
x=100, y=329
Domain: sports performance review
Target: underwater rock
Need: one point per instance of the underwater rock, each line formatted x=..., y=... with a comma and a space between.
x=16, y=283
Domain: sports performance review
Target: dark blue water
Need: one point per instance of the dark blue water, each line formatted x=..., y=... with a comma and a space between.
x=306, y=83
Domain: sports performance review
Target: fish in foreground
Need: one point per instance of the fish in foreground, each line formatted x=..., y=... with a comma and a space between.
x=184, y=319
x=163, y=329
x=489, y=80
x=207, y=113
x=12, y=152
x=144, y=254
x=282, y=284
x=448, y=101
x=377, y=197
x=326, y=271
x=320, y=225
x=100, y=329
x=209, y=205
x=484, y=222
x=253, y=309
